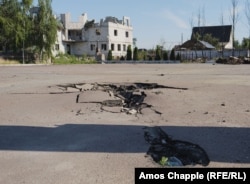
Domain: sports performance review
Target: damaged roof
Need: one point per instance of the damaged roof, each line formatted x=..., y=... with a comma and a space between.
x=222, y=33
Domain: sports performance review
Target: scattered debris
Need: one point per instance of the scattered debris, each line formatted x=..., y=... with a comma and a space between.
x=247, y=60
x=129, y=97
x=231, y=60
x=169, y=152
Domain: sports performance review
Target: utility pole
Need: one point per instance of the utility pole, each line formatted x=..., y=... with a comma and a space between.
x=181, y=38
x=24, y=32
x=234, y=17
x=23, y=45
x=248, y=21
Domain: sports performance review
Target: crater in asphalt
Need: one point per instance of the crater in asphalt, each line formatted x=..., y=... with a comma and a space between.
x=131, y=98
x=116, y=98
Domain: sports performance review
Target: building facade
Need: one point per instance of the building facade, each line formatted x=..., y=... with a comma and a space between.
x=89, y=38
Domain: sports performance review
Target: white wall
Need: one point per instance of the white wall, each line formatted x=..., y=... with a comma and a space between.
x=229, y=45
x=89, y=36
x=59, y=43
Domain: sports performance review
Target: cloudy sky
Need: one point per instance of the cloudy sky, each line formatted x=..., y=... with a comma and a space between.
x=160, y=21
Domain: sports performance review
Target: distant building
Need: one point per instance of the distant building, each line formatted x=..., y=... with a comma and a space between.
x=223, y=33
x=195, y=45
x=89, y=38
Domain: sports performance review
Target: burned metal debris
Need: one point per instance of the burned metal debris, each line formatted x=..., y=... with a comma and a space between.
x=170, y=152
x=129, y=97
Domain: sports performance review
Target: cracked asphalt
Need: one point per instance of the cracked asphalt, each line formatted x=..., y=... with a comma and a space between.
x=47, y=137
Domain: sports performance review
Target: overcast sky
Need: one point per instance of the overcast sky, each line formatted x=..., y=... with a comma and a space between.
x=158, y=21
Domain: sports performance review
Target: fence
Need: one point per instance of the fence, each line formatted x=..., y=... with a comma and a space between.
x=211, y=54
x=142, y=62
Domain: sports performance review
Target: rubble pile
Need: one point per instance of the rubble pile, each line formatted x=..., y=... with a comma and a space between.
x=231, y=60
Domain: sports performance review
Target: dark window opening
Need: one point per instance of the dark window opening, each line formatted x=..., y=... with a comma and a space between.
x=98, y=32
x=92, y=47
x=104, y=47
x=112, y=47
x=127, y=34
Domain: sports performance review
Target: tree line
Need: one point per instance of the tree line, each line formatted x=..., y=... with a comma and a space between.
x=157, y=54
x=25, y=28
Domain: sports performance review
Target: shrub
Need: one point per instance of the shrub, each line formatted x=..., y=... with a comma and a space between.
x=129, y=53
x=70, y=59
x=110, y=57
x=135, y=55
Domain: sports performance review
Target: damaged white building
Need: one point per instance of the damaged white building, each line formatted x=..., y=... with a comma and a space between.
x=90, y=38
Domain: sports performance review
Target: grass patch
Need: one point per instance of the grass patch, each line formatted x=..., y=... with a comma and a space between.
x=69, y=59
x=8, y=62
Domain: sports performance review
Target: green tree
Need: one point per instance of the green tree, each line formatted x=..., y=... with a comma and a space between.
x=237, y=44
x=246, y=43
x=26, y=4
x=142, y=54
x=165, y=55
x=196, y=37
x=135, y=54
x=210, y=39
x=172, y=55
x=129, y=53
x=11, y=25
x=207, y=38
x=46, y=29
x=158, y=53
x=110, y=57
